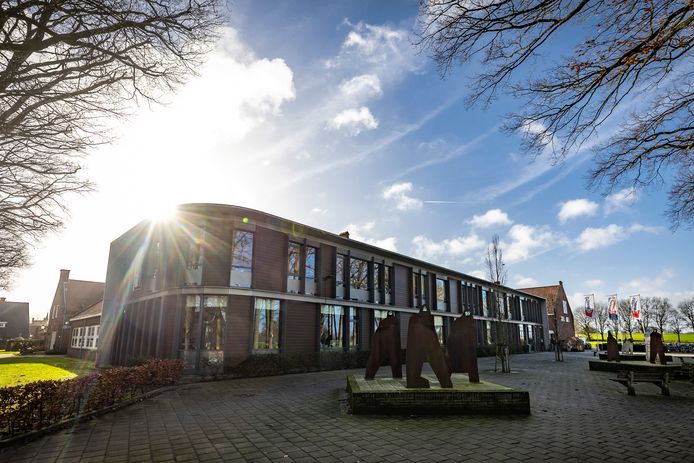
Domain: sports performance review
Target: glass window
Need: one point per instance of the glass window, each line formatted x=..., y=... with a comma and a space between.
x=353, y=327
x=377, y=277
x=214, y=322
x=359, y=274
x=485, y=303
x=441, y=291
x=194, y=256
x=438, y=327
x=190, y=328
x=488, y=332
x=74, y=337
x=242, y=251
x=81, y=337
x=340, y=270
x=96, y=336
x=294, y=260
x=266, y=332
x=378, y=316
x=331, y=323
x=310, y=263
x=423, y=286
x=521, y=334
x=566, y=310
x=387, y=278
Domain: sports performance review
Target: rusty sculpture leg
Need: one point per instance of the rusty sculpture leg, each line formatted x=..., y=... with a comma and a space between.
x=657, y=348
x=462, y=350
x=612, y=348
x=385, y=343
x=423, y=345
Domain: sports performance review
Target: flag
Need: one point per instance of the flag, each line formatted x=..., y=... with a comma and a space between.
x=635, y=305
x=612, y=307
x=589, y=305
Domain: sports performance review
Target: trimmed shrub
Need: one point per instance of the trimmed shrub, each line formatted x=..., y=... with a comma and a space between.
x=278, y=364
x=37, y=405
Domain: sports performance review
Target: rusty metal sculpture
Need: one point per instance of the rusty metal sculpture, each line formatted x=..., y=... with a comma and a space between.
x=657, y=348
x=423, y=345
x=462, y=347
x=612, y=348
x=385, y=343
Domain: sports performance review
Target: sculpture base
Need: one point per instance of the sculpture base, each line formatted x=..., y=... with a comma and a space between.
x=635, y=357
x=389, y=396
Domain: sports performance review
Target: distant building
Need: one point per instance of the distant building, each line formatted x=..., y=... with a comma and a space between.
x=38, y=328
x=84, y=339
x=559, y=314
x=221, y=283
x=71, y=297
x=14, y=319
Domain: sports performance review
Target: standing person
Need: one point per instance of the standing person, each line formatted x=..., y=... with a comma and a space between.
x=612, y=348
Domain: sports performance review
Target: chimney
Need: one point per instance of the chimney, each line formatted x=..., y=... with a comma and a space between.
x=64, y=274
x=561, y=283
x=345, y=234
x=2, y=299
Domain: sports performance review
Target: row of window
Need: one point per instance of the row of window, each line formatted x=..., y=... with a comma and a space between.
x=85, y=337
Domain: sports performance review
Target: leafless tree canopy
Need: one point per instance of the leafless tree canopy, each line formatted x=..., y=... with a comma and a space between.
x=662, y=312
x=601, y=318
x=635, y=48
x=686, y=308
x=67, y=66
x=583, y=323
x=494, y=260
x=627, y=321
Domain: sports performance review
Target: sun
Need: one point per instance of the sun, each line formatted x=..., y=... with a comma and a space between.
x=162, y=212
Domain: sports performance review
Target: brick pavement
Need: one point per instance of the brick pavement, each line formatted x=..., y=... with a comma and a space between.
x=577, y=415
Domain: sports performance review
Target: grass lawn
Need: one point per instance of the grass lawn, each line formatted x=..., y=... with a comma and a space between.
x=8, y=352
x=638, y=337
x=21, y=370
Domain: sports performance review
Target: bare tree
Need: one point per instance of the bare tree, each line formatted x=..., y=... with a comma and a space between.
x=67, y=67
x=626, y=319
x=496, y=268
x=601, y=318
x=677, y=323
x=662, y=312
x=585, y=324
x=647, y=314
x=686, y=308
x=637, y=50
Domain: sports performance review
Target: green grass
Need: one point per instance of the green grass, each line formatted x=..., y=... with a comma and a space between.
x=21, y=370
x=638, y=337
x=8, y=352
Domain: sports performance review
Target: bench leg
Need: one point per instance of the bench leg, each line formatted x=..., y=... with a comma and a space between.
x=665, y=385
x=630, y=383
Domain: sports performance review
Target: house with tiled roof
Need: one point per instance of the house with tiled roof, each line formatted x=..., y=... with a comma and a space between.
x=85, y=332
x=559, y=314
x=71, y=297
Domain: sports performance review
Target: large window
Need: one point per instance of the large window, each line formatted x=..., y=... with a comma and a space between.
x=191, y=330
x=438, y=327
x=377, y=282
x=266, y=331
x=214, y=322
x=359, y=274
x=340, y=270
x=75, y=338
x=441, y=294
x=294, y=261
x=485, y=303
x=241, y=258
x=310, y=263
x=331, y=327
x=387, y=278
x=353, y=329
x=378, y=316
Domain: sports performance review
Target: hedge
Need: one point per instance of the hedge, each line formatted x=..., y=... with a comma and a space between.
x=40, y=404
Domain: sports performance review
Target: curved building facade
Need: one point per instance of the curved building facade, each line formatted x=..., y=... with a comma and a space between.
x=219, y=283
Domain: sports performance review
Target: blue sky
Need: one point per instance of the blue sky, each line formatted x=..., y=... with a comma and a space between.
x=324, y=113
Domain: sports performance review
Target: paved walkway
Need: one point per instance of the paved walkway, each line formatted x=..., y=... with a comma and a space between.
x=577, y=415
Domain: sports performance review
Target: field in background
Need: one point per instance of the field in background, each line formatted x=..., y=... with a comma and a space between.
x=638, y=337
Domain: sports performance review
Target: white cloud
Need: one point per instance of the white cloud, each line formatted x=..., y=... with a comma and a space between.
x=534, y=129
x=620, y=200
x=526, y=241
x=593, y=283
x=363, y=86
x=398, y=193
x=354, y=120
x=478, y=274
x=319, y=211
x=595, y=238
x=577, y=208
x=525, y=282
x=426, y=249
x=361, y=232
x=492, y=217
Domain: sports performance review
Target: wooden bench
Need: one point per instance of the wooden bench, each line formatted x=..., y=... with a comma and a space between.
x=629, y=377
